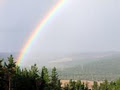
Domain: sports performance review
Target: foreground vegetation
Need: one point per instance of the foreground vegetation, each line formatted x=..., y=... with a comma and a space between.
x=13, y=77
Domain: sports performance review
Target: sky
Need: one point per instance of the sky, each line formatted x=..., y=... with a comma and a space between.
x=78, y=26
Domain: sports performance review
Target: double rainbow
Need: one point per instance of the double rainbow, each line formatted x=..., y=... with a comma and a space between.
x=37, y=31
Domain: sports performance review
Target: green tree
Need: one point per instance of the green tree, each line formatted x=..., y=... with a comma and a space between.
x=1, y=75
x=104, y=85
x=112, y=86
x=54, y=76
x=72, y=84
x=44, y=79
x=79, y=85
x=66, y=87
x=55, y=82
x=95, y=86
x=117, y=84
x=10, y=70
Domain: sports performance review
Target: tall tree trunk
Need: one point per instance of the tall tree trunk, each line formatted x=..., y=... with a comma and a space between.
x=9, y=83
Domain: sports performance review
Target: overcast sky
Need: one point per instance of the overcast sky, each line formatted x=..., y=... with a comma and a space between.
x=78, y=26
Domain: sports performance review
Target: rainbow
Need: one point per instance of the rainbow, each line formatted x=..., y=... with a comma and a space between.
x=37, y=31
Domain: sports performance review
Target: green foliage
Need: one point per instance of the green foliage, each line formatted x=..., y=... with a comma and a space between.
x=55, y=83
x=13, y=77
x=1, y=75
x=66, y=87
x=44, y=79
x=95, y=86
x=104, y=85
x=72, y=85
x=9, y=71
x=54, y=76
x=79, y=85
x=44, y=74
x=99, y=69
x=75, y=85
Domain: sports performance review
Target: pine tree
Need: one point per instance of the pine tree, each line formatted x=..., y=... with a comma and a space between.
x=79, y=85
x=72, y=84
x=34, y=71
x=95, y=86
x=1, y=75
x=55, y=82
x=33, y=74
x=54, y=76
x=10, y=70
x=44, y=79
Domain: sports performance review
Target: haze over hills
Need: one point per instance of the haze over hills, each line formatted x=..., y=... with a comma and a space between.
x=85, y=66
x=67, y=60
x=95, y=66
x=61, y=58
x=83, y=58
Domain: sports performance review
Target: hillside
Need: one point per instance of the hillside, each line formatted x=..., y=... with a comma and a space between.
x=84, y=66
x=107, y=67
x=80, y=59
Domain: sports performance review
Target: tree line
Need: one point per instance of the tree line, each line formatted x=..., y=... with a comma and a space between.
x=13, y=77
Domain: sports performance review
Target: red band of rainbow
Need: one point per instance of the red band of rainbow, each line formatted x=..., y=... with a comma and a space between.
x=36, y=32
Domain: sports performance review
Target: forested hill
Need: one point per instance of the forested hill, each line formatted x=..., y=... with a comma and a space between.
x=105, y=65
x=12, y=77
x=104, y=68
x=81, y=59
x=84, y=66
